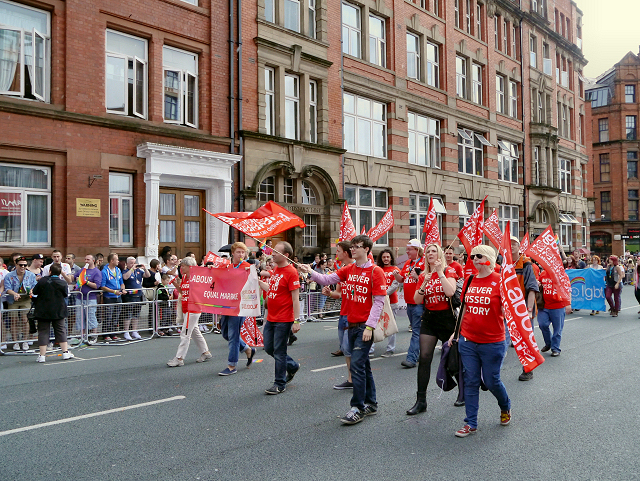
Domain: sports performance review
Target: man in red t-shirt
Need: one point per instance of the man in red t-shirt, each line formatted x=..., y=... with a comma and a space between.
x=366, y=290
x=283, y=315
x=409, y=277
x=448, y=256
x=190, y=323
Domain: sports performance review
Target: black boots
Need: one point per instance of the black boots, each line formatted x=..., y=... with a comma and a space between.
x=420, y=406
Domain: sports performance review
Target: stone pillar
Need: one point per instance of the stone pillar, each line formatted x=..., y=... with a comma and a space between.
x=152, y=180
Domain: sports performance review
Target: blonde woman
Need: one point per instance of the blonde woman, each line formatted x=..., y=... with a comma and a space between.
x=437, y=284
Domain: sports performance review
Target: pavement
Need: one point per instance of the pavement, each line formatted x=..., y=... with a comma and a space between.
x=119, y=413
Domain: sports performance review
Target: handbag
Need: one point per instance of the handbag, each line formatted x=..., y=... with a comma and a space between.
x=540, y=297
x=453, y=362
x=455, y=300
x=386, y=324
x=31, y=317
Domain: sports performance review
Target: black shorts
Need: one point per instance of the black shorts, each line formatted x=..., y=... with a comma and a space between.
x=439, y=324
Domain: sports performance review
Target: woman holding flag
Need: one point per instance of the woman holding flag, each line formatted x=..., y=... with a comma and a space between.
x=437, y=284
x=481, y=340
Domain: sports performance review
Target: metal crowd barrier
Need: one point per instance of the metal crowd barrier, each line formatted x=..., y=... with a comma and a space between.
x=318, y=307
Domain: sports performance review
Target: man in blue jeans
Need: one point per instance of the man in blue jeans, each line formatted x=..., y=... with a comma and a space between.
x=409, y=277
x=283, y=315
x=366, y=290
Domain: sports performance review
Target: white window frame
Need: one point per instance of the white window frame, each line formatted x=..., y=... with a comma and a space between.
x=513, y=99
x=541, y=116
x=287, y=194
x=429, y=138
x=461, y=77
x=584, y=234
x=378, y=45
x=564, y=175
x=376, y=212
x=433, y=64
x=505, y=37
x=413, y=41
x=308, y=194
x=565, y=124
x=476, y=83
x=184, y=76
x=533, y=51
x=479, y=21
x=603, y=133
x=467, y=15
x=547, y=65
x=514, y=50
x=26, y=192
x=353, y=32
x=313, y=111
x=120, y=197
x=495, y=27
x=292, y=4
x=145, y=80
x=313, y=33
x=418, y=208
x=270, y=101
x=292, y=99
x=500, y=94
x=508, y=157
x=536, y=166
x=630, y=97
x=565, y=234
x=456, y=9
x=466, y=208
x=310, y=232
x=43, y=96
x=265, y=194
x=470, y=142
x=509, y=213
x=361, y=120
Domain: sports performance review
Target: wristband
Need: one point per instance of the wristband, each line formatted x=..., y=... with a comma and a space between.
x=297, y=321
x=421, y=292
x=369, y=328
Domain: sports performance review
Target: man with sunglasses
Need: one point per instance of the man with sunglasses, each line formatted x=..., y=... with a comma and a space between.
x=366, y=290
x=18, y=284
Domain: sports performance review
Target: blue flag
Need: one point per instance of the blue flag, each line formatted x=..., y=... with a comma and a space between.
x=587, y=289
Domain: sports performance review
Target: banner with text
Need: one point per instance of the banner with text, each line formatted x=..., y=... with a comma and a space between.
x=587, y=289
x=230, y=292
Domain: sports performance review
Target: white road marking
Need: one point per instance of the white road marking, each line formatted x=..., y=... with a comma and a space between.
x=87, y=416
x=80, y=359
x=344, y=365
x=330, y=328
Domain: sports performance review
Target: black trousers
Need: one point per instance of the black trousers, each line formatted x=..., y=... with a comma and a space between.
x=44, y=329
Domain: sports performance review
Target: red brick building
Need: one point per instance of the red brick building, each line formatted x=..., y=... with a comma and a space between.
x=614, y=110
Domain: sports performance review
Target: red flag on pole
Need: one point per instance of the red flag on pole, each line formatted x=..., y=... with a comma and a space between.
x=545, y=250
x=217, y=260
x=471, y=236
x=347, y=229
x=515, y=309
x=364, y=231
x=430, y=227
x=385, y=224
x=492, y=229
x=268, y=220
x=524, y=243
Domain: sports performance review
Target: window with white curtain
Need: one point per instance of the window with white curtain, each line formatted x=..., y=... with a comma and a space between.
x=413, y=56
x=308, y=194
x=377, y=41
x=292, y=15
x=365, y=128
x=508, y=161
x=513, y=99
x=126, y=74
x=120, y=209
x=433, y=65
x=25, y=205
x=269, y=99
x=424, y=141
x=351, y=30
x=476, y=83
x=292, y=107
x=367, y=207
x=25, y=51
x=565, y=175
x=500, y=104
x=313, y=111
x=167, y=207
x=312, y=19
x=461, y=77
x=180, y=87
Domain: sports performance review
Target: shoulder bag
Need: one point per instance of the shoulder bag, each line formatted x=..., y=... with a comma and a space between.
x=453, y=361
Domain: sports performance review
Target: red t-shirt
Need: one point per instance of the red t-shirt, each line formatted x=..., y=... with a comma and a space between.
x=434, y=298
x=410, y=284
x=552, y=300
x=279, y=302
x=184, y=289
x=458, y=268
x=483, y=321
x=362, y=283
x=388, y=274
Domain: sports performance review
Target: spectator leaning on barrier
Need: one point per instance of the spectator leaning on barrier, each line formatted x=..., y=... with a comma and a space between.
x=190, y=325
x=92, y=282
x=133, y=283
x=51, y=310
x=18, y=284
x=113, y=287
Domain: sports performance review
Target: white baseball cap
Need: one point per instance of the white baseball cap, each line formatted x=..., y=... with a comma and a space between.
x=414, y=243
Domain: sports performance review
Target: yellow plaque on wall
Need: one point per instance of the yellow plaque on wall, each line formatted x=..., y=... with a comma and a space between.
x=87, y=207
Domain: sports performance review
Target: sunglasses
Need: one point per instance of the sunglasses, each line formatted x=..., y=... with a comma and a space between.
x=22, y=265
x=476, y=256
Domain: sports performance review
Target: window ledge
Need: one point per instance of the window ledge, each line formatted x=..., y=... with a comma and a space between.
x=508, y=117
x=471, y=37
x=299, y=35
x=424, y=84
x=428, y=12
x=472, y=103
x=283, y=140
x=366, y=62
x=187, y=6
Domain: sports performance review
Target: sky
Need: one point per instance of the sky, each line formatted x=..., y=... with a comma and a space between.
x=610, y=30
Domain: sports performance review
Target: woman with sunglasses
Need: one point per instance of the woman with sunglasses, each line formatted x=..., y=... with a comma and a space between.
x=437, y=285
x=481, y=339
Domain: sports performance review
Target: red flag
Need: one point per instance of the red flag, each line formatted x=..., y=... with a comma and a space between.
x=515, y=309
x=545, y=250
x=364, y=231
x=492, y=229
x=430, y=227
x=268, y=220
x=217, y=260
x=384, y=226
x=250, y=333
x=471, y=233
x=524, y=243
x=347, y=229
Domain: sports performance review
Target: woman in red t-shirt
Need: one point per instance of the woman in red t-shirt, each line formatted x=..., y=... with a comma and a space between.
x=437, y=283
x=481, y=343
x=387, y=262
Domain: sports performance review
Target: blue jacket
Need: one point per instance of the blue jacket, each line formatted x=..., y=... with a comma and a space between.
x=12, y=282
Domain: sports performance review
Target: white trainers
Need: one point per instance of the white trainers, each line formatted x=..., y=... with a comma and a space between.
x=40, y=359
x=136, y=335
x=127, y=336
x=204, y=357
x=67, y=355
x=175, y=362
x=25, y=346
x=50, y=346
x=16, y=346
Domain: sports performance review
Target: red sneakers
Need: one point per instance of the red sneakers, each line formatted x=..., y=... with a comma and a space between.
x=465, y=431
x=505, y=418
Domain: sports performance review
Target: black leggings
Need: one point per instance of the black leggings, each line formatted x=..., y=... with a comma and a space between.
x=44, y=331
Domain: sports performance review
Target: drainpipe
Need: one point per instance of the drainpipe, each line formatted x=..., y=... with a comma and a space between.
x=524, y=140
x=240, y=137
x=342, y=101
x=232, y=120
